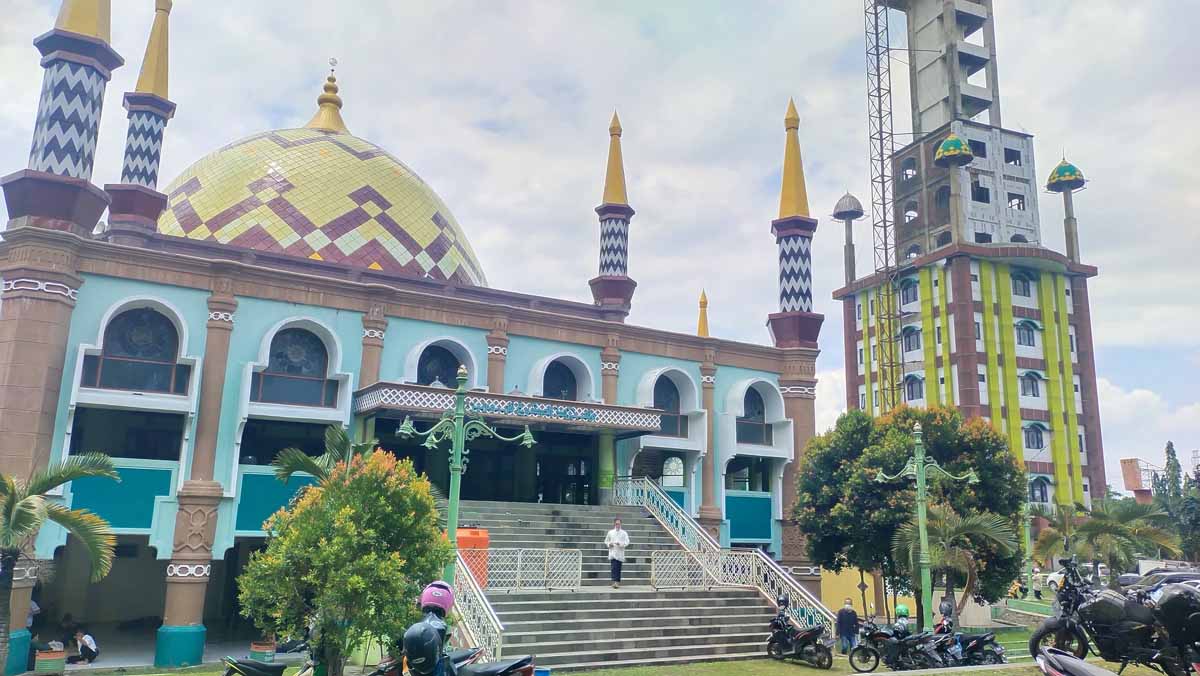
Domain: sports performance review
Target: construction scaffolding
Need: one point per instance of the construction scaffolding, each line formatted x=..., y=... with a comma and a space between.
x=882, y=142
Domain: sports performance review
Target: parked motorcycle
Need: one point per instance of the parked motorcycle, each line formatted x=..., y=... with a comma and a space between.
x=1160, y=634
x=900, y=651
x=959, y=649
x=788, y=641
x=425, y=655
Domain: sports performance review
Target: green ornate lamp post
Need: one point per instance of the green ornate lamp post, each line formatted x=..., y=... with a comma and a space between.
x=917, y=467
x=460, y=428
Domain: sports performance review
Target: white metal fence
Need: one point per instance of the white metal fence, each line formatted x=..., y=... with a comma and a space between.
x=477, y=625
x=506, y=570
x=706, y=564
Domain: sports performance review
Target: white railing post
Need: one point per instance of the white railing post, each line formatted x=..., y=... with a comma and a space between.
x=476, y=616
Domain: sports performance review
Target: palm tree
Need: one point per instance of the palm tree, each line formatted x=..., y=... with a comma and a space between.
x=338, y=448
x=25, y=508
x=1119, y=531
x=1051, y=544
x=953, y=540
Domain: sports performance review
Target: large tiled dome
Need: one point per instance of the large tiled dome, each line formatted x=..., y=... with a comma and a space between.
x=320, y=194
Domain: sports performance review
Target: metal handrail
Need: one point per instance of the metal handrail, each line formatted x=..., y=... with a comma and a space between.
x=509, y=569
x=476, y=616
x=643, y=492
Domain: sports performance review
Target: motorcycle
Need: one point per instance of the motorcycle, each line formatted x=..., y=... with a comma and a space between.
x=959, y=649
x=1160, y=635
x=900, y=651
x=788, y=641
x=425, y=655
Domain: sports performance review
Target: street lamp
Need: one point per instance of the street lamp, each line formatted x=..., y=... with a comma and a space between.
x=917, y=467
x=459, y=428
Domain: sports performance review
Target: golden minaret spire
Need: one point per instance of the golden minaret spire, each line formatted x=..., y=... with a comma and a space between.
x=793, y=198
x=86, y=17
x=329, y=116
x=614, y=178
x=153, y=78
x=702, y=322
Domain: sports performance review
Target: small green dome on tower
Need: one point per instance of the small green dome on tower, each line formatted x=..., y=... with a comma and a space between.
x=953, y=152
x=1066, y=177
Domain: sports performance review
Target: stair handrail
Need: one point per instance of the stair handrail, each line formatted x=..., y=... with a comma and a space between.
x=642, y=492
x=508, y=569
x=475, y=614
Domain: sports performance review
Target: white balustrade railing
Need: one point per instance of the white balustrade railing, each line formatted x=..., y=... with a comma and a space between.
x=477, y=621
x=707, y=564
x=506, y=570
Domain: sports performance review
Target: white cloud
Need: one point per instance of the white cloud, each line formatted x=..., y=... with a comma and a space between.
x=831, y=398
x=1137, y=423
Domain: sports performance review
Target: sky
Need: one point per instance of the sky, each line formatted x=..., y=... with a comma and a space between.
x=503, y=108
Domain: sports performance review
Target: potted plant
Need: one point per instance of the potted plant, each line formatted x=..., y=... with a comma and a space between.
x=263, y=650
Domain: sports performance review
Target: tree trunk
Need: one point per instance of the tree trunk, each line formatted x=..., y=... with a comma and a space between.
x=8, y=561
x=950, y=594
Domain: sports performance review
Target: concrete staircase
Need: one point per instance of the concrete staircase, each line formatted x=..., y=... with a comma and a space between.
x=597, y=626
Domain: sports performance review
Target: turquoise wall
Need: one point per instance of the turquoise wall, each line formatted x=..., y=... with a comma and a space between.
x=405, y=334
x=677, y=494
x=635, y=365
x=749, y=516
x=260, y=495
x=524, y=352
x=128, y=505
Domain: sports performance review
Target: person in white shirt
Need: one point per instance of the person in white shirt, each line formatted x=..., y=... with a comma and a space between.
x=34, y=609
x=88, y=650
x=616, y=541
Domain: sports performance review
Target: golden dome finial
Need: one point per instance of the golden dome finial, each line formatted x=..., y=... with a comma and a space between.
x=153, y=77
x=614, y=178
x=793, y=197
x=328, y=116
x=86, y=17
x=702, y=321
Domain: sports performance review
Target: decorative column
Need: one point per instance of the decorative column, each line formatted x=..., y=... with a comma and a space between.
x=374, y=327
x=612, y=289
x=136, y=202
x=497, y=355
x=180, y=639
x=798, y=385
x=610, y=368
x=710, y=513
x=795, y=325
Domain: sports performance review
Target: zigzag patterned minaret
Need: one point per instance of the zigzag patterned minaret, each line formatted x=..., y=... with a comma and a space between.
x=136, y=203
x=613, y=289
x=795, y=324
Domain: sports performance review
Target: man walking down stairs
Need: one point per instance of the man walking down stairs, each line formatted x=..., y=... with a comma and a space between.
x=594, y=626
x=616, y=541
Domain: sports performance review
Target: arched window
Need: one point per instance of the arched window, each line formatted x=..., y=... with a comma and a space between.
x=1025, y=335
x=943, y=239
x=297, y=367
x=752, y=426
x=437, y=366
x=1039, y=490
x=672, y=472
x=908, y=169
x=666, y=399
x=909, y=293
x=910, y=212
x=1019, y=239
x=914, y=251
x=914, y=389
x=941, y=198
x=559, y=382
x=1034, y=439
x=140, y=350
x=1030, y=386
x=912, y=340
x=1022, y=286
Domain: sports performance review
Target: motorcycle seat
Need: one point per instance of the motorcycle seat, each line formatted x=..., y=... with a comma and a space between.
x=495, y=668
x=269, y=668
x=460, y=656
x=967, y=638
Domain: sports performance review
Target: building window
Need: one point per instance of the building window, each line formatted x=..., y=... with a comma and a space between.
x=752, y=426
x=666, y=399
x=974, y=277
x=914, y=389
x=1025, y=336
x=978, y=148
x=980, y=193
x=978, y=332
x=910, y=212
x=874, y=354
x=1022, y=287
x=437, y=367
x=908, y=294
x=1016, y=201
x=912, y=341
x=913, y=251
x=982, y=378
x=862, y=400
x=1082, y=449
x=1019, y=239
x=559, y=382
x=139, y=354
x=1071, y=338
x=983, y=238
x=1039, y=490
x=1076, y=388
x=872, y=307
x=908, y=169
x=860, y=310
x=943, y=239
x=142, y=435
x=1034, y=439
x=746, y=473
x=296, y=372
x=937, y=333
x=672, y=472
x=1029, y=386
x=860, y=355
x=1012, y=156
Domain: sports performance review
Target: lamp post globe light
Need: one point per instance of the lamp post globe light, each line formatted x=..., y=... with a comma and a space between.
x=917, y=468
x=459, y=427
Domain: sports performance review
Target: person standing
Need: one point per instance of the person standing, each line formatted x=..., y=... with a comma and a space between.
x=616, y=541
x=847, y=627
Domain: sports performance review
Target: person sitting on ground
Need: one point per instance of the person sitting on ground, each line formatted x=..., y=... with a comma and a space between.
x=88, y=650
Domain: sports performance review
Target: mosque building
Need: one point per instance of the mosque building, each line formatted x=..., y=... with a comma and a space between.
x=304, y=277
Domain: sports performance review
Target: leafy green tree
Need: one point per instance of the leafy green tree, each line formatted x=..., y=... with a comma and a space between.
x=25, y=508
x=348, y=557
x=1189, y=525
x=338, y=448
x=953, y=543
x=1061, y=524
x=848, y=518
x=1119, y=532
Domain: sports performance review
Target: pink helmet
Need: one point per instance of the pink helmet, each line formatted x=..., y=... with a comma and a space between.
x=438, y=598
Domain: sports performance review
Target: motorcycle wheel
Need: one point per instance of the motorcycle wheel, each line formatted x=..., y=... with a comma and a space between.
x=823, y=658
x=864, y=659
x=775, y=650
x=1056, y=634
x=991, y=657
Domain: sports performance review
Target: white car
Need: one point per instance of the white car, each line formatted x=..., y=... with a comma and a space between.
x=1194, y=584
x=1054, y=580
